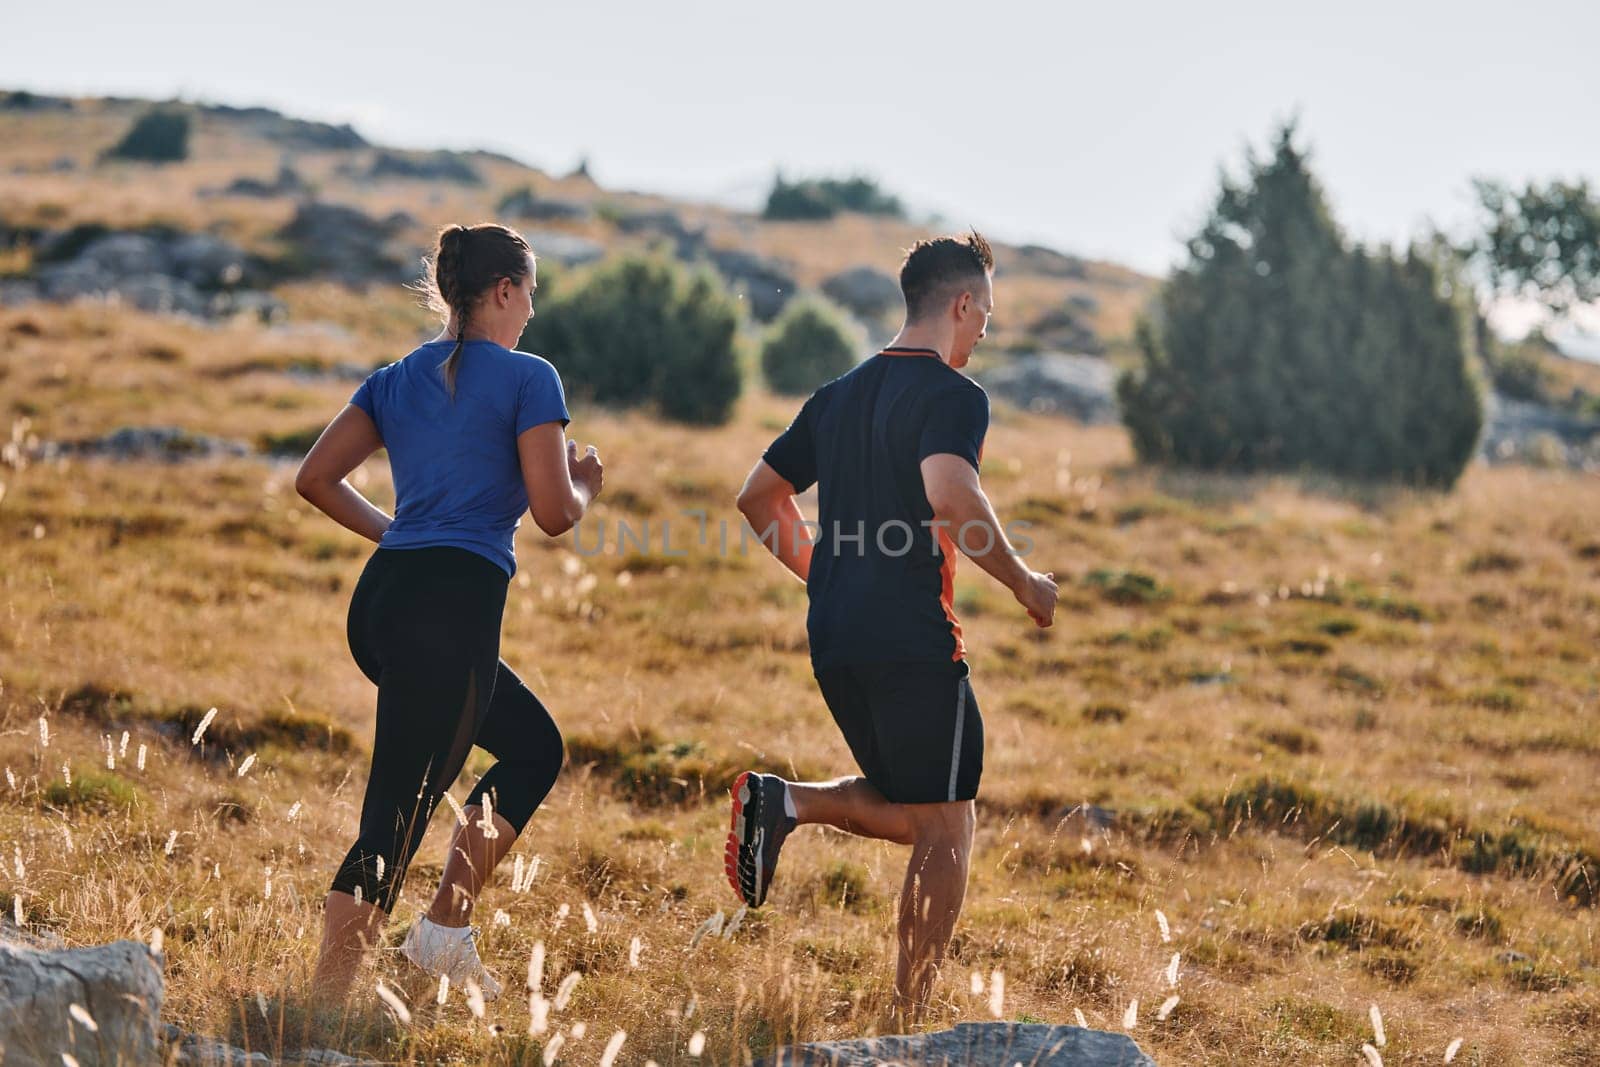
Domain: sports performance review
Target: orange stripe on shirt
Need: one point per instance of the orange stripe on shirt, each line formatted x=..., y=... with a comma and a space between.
x=947, y=587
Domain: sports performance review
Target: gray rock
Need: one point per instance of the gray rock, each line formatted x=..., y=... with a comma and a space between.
x=866, y=292
x=1519, y=431
x=345, y=242
x=765, y=283
x=206, y=261
x=191, y=274
x=160, y=293
x=424, y=166
x=14, y=292
x=117, y=987
x=122, y=254
x=286, y=182
x=687, y=244
x=525, y=204
x=1080, y=387
x=263, y=307
x=973, y=1045
x=1062, y=329
x=205, y=1052
x=565, y=248
x=193, y=1049
x=168, y=443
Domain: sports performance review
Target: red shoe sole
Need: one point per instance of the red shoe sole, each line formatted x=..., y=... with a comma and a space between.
x=730, y=853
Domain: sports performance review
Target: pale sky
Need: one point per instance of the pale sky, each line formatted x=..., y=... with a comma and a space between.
x=1096, y=128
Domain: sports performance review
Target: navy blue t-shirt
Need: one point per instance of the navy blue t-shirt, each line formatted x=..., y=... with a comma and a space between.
x=885, y=595
x=457, y=476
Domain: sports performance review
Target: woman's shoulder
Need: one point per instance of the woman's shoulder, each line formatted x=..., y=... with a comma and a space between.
x=531, y=364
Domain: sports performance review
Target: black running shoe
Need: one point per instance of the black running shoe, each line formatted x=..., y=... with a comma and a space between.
x=757, y=832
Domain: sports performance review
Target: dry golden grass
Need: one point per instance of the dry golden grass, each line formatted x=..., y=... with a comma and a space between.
x=1349, y=736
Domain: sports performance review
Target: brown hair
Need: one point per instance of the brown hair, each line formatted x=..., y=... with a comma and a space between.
x=466, y=262
x=936, y=269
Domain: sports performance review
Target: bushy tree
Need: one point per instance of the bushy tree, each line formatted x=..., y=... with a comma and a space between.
x=1541, y=241
x=158, y=137
x=1279, y=346
x=643, y=330
x=812, y=341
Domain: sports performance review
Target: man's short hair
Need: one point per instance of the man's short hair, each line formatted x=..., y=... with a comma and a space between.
x=936, y=270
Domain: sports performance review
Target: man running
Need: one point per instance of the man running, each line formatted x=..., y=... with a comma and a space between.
x=893, y=447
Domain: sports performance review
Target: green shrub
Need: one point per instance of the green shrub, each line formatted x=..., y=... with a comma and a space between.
x=644, y=330
x=814, y=199
x=1279, y=346
x=158, y=137
x=811, y=343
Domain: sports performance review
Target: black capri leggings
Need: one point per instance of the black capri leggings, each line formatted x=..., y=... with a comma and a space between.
x=425, y=626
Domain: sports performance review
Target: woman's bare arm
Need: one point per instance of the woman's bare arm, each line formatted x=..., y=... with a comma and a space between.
x=347, y=442
x=561, y=484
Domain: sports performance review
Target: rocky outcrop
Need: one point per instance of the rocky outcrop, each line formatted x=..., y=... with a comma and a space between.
x=686, y=243
x=1080, y=387
x=1518, y=431
x=973, y=1045
x=524, y=203
x=765, y=283
x=1062, y=329
x=166, y=443
x=424, y=166
x=153, y=270
x=866, y=292
x=347, y=243
x=286, y=182
x=567, y=249
x=101, y=1006
x=98, y=1005
x=194, y=1050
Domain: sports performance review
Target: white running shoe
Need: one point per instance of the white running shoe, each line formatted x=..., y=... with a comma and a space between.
x=450, y=951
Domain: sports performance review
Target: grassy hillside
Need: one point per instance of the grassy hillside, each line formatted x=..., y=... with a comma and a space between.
x=59, y=177
x=1326, y=748
x=1347, y=740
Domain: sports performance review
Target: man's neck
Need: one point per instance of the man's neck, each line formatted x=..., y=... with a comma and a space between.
x=916, y=336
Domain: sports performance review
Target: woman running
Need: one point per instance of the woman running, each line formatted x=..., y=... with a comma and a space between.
x=476, y=437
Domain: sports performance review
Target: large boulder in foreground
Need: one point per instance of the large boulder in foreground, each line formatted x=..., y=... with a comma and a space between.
x=98, y=1005
x=977, y=1044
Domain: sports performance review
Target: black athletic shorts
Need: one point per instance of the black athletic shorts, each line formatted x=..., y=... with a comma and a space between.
x=914, y=728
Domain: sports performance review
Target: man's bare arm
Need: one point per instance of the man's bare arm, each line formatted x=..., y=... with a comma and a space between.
x=958, y=500
x=768, y=498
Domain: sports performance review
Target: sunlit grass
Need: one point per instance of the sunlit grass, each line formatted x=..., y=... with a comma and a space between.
x=1347, y=744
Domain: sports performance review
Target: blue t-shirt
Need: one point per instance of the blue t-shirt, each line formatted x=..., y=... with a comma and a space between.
x=881, y=572
x=457, y=476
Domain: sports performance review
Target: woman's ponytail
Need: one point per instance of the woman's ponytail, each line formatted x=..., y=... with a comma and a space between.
x=466, y=261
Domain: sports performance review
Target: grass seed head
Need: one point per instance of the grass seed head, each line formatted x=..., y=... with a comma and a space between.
x=200, y=731
x=395, y=1004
